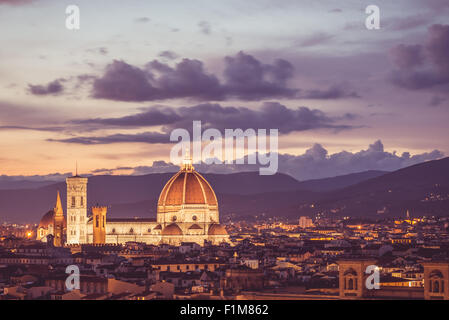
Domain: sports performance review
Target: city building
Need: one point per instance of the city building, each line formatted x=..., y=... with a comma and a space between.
x=187, y=211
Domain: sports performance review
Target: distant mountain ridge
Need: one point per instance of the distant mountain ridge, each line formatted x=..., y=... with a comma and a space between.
x=247, y=194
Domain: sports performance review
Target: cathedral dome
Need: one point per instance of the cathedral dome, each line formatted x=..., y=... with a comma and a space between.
x=187, y=187
x=47, y=219
x=172, y=230
x=217, y=230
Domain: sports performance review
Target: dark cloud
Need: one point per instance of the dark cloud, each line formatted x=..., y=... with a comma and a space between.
x=168, y=55
x=145, y=137
x=245, y=77
x=51, y=129
x=334, y=92
x=316, y=163
x=432, y=58
x=53, y=88
x=205, y=27
x=124, y=82
x=407, y=56
x=269, y=115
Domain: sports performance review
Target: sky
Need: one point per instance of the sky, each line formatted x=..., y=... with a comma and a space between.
x=344, y=98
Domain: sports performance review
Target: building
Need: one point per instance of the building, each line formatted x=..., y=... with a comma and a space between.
x=53, y=223
x=305, y=222
x=187, y=211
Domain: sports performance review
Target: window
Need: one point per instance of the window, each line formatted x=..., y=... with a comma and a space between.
x=194, y=218
x=173, y=218
x=82, y=201
x=131, y=230
x=97, y=221
x=73, y=201
x=350, y=284
x=103, y=222
x=113, y=230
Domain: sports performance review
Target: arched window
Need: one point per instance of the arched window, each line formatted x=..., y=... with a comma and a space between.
x=97, y=221
x=113, y=230
x=131, y=230
x=350, y=284
x=73, y=201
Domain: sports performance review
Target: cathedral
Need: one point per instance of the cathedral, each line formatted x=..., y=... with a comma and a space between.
x=187, y=211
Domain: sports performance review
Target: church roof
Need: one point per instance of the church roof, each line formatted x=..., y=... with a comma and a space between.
x=48, y=218
x=130, y=220
x=172, y=230
x=195, y=227
x=187, y=187
x=217, y=229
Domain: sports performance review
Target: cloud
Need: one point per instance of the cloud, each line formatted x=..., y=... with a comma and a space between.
x=145, y=137
x=245, y=77
x=437, y=100
x=53, y=88
x=407, y=23
x=334, y=92
x=15, y=2
x=142, y=20
x=205, y=27
x=316, y=163
x=315, y=39
x=269, y=115
x=51, y=129
x=100, y=50
x=170, y=55
x=423, y=66
x=407, y=56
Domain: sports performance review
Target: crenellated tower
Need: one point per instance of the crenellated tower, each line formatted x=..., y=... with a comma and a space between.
x=99, y=224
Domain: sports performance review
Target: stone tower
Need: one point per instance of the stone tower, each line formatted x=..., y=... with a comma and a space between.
x=58, y=223
x=99, y=224
x=76, y=210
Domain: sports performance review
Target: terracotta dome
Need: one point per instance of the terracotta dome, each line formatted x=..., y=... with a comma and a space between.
x=187, y=187
x=217, y=230
x=172, y=230
x=47, y=219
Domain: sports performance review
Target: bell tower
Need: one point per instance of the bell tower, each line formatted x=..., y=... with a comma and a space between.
x=76, y=209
